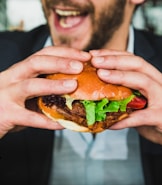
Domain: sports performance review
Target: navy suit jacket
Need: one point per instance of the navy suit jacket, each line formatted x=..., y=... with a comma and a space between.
x=25, y=156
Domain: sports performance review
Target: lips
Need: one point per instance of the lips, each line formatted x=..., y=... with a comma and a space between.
x=68, y=19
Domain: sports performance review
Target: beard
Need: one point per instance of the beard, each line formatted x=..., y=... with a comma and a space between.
x=109, y=20
x=104, y=24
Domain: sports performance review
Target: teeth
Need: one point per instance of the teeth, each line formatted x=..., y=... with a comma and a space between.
x=67, y=12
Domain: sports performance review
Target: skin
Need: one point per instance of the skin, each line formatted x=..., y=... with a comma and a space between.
x=111, y=59
x=117, y=69
x=18, y=86
x=102, y=15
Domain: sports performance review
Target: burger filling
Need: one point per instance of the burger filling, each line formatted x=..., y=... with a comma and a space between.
x=97, y=110
x=90, y=113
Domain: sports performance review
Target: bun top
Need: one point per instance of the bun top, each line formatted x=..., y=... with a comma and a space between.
x=90, y=87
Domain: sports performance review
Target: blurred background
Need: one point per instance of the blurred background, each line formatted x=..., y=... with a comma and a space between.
x=27, y=14
x=20, y=14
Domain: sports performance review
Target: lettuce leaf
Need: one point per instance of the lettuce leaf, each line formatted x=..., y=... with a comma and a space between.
x=90, y=111
x=100, y=113
x=96, y=110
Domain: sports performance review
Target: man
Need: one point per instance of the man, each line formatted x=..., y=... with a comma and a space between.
x=33, y=156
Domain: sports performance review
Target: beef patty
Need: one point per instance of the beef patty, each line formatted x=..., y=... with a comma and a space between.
x=77, y=113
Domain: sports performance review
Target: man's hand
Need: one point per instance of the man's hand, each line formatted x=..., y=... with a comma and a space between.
x=132, y=71
x=21, y=83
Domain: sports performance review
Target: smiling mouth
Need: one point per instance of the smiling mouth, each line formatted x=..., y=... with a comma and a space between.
x=67, y=19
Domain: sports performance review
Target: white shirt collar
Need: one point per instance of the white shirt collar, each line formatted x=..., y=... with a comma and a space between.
x=130, y=47
x=48, y=42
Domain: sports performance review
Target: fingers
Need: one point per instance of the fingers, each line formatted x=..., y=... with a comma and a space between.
x=135, y=119
x=46, y=61
x=105, y=52
x=37, y=120
x=126, y=69
x=39, y=65
x=125, y=62
x=146, y=117
x=48, y=64
x=25, y=118
x=65, y=52
x=39, y=87
x=150, y=131
x=132, y=71
x=134, y=80
x=21, y=82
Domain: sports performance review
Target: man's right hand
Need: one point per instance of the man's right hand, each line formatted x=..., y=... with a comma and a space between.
x=21, y=83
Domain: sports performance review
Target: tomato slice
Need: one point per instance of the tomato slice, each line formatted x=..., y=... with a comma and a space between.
x=137, y=103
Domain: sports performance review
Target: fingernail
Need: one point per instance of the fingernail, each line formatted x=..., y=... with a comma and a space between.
x=69, y=83
x=76, y=65
x=104, y=73
x=85, y=54
x=94, y=52
x=98, y=60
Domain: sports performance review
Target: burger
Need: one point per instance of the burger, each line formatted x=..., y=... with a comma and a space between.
x=94, y=106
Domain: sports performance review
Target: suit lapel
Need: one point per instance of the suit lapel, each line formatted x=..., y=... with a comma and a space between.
x=39, y=142
x=25, y=156
x=143, y=47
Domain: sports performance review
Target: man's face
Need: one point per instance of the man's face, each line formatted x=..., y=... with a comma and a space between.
x=83, y=24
